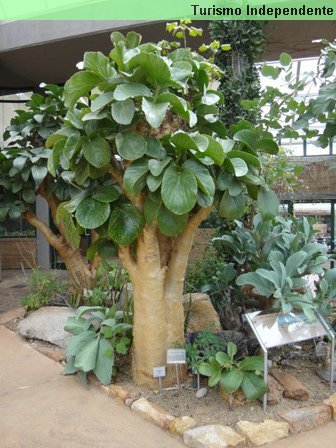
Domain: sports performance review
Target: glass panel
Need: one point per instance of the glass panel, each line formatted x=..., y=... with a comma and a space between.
x=313, y=150
x=293, y=147
x=7, y=110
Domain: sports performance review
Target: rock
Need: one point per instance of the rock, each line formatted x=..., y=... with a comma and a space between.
x=307, y=418
x=55, y=353
x=293, y=388
x=275, y=391
x=129, y=402
x=201, y=392
x=213, y=436
x=181, y=424
x=324, y=374
x=258, y=434
x=201, y=312
x=152, y=412
x=47, y=324
x=331, y=401
x=236, y=399
x=118, y=391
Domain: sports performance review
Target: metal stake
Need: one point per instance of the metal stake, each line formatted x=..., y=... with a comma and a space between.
x=198, y=381
x=177, y=376
x=160, y=385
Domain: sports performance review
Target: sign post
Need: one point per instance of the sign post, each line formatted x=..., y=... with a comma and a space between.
x=276, y=329
x=159, y=372
x=176, y=356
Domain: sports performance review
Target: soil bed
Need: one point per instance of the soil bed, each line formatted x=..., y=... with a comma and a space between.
x=213, y=409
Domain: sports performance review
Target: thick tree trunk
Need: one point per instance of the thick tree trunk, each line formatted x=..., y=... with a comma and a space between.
x=157, y=274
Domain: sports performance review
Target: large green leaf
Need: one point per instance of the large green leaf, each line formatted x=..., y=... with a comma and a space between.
x=39, y=173
x=205, y=369
x=231, y=207
x=247, y=137
x=252, y=363
x=182, y=140
x=98, y=63
x=106, y=193
x=158, y=73
x=179, y=190
x=154, y=112
x=253, y=386
x=101, y=101
x=239, y=167
x=91, y=214
x=294, y=261
x=79, y=85
x=157, y=166
x=231, y=350
x=75, y=326
x=19, y=162
x=263, y=286
x=135, y=176
x=169, y=223
x=131, y=90
x=79, y=341
x=231, y=380
x=104, y=362
x=126, y=223
x=28, y=195
x=155, y=149
x=153, y=182
x=96, y=151
x=87, y=357
x=65, y=217
x=204, y=179
x=215, y=151
x=268, y=203
x=223, y=359
x=267, y=145
x=130, y=146
x=123, y=111
x=250, y=159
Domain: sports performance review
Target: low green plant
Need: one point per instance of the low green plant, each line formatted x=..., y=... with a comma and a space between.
x=44, y=287
x=204, y=346
x=326, y=292
x=98, y=335
x=233, y=374
x=111, y=289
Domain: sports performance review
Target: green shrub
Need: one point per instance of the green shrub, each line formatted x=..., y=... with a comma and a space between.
x=44, y=287
x=96, y=340
x=232, y=374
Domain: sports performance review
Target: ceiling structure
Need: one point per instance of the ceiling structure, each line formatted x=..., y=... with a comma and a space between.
x=32, y=52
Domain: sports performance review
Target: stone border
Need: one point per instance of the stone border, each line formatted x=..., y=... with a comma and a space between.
x=246, y=434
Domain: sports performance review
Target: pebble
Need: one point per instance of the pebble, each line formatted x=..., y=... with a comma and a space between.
x=201, y=392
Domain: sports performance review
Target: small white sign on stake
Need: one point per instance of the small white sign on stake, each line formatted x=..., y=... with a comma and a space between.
x=176, y=356
x=159, y=372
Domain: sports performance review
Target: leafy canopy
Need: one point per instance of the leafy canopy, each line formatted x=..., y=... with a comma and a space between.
x=143, y=142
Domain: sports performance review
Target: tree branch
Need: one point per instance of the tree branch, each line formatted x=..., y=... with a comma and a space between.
x=55, y=241
x=126, y=259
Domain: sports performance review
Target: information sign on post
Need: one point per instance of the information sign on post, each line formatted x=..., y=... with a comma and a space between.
x=176, y=356
x=276, y=329
x=159, y=372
